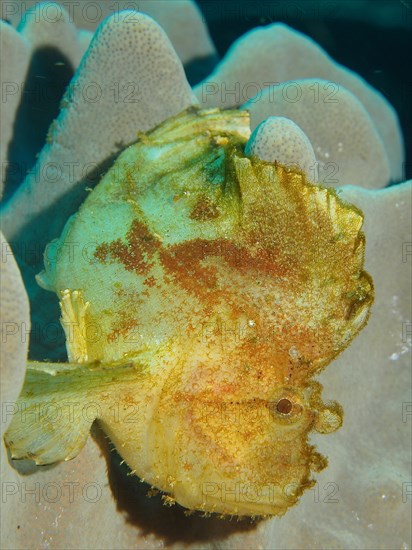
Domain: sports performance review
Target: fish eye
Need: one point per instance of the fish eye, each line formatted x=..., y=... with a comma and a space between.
x=284, y=406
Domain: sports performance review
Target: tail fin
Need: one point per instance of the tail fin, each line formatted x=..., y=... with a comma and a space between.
x=57, y=406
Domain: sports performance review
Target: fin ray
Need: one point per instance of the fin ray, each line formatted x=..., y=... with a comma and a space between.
x=57, y=406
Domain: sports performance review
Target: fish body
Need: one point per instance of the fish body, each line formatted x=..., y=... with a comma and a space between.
x=201, y=291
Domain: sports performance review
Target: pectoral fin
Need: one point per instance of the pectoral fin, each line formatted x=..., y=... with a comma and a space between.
x=57, y=406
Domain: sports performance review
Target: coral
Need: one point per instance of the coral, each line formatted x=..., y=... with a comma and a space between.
x=17, y=48
x=280, y=139
x=360, y=494
x=50, y=27
x=287, y=55
x=347, y=146
x=15, y=319
x=172, y=16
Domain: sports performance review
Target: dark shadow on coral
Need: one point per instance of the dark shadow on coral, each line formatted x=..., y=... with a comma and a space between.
x=48, y=75
x=47, y=339
x=151, y=516
x=198, y=69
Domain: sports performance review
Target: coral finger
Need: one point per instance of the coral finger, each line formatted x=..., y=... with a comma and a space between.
x=280, y=139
